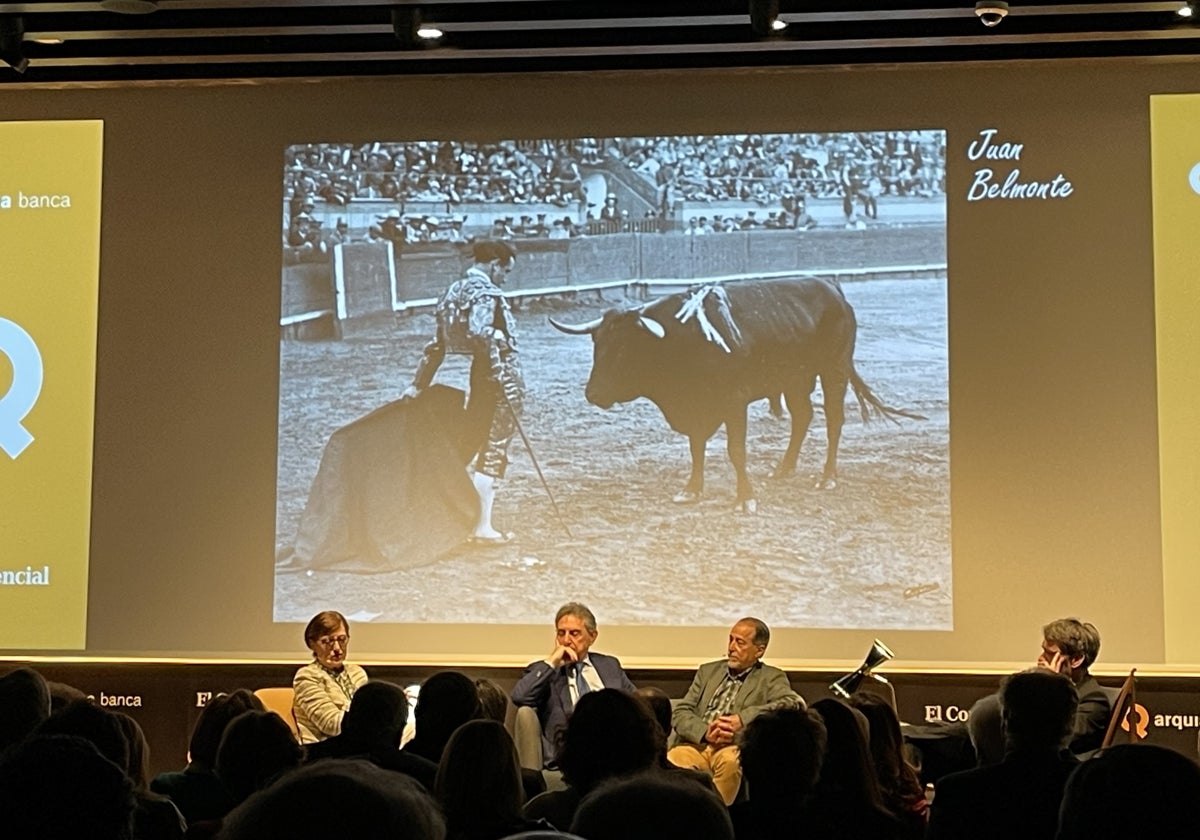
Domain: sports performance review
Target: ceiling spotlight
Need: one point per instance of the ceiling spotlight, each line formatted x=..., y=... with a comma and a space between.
x=764, y=17
x=991, y=12
x=12, y=46
x=1186, y=10
x=409, y=29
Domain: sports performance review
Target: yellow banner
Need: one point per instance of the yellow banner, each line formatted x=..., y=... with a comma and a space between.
x=50, y=175
x=1175, y=159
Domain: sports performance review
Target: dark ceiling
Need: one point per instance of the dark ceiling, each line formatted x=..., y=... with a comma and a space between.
x=215, y=39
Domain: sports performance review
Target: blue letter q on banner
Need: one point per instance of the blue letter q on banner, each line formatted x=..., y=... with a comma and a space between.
x=22, y=396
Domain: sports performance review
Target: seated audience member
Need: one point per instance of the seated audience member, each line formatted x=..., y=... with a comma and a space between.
x=24, y=704
x=781, y=755
x=609, y=734
x=493, y=702
x=847, y=801
x=1069, y=647
x=325, y=686
x=479, y=783
x=447, y=700
x=1131, y=790
x=554, y=685
x=338, y=798
x=60, y=786
x=493, y=705
x=257, y=747
x=155, y=817
x=61, y=695
x=659, y=704
x=86, y=720
x=660, y=709
x=1020, y=796
x=899, y=784
x=652, y=807
x=196, y=790
x=985, y=728
x=371, y=729
x=724, y=696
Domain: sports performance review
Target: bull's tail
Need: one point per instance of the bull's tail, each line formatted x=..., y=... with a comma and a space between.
x=870, y=405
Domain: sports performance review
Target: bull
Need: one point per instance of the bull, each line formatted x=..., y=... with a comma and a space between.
x=702, y=356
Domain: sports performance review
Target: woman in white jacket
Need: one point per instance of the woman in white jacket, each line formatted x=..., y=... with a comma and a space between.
x=325, y=686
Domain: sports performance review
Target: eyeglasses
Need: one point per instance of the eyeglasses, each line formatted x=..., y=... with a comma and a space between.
x=330, y=641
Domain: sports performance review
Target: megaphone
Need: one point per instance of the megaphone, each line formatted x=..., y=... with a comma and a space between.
x=876, y=656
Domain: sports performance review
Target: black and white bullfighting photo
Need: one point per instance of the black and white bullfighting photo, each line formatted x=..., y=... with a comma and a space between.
x=616, y=370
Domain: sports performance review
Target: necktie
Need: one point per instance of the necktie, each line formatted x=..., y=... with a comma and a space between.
x=581, y=685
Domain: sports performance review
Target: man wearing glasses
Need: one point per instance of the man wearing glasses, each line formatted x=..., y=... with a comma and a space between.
x=325, y=686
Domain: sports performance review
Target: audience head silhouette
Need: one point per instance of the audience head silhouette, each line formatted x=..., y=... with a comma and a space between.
x=137, y=764
x=1132, y=790
x=255, y=749
x=377, y=716
x=479, y=781
x=660, y=707
x=847, y=799
x=609, y=733
x=781, y=755
x=447, y=700
x=370, y=804
x=493, y=700
x=61, y=786
x=210, y=726
x=1037, y=708
x=89, y=721
x=24, y=704
x=652, y=806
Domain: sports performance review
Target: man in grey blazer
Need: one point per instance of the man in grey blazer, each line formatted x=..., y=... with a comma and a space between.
x=724, y=696
x=553, y=685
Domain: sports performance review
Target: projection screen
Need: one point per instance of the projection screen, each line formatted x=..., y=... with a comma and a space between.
x=1002, y=275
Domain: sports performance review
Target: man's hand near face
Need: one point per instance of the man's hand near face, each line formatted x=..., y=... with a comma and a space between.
x=1056, y=663
x=561, y=655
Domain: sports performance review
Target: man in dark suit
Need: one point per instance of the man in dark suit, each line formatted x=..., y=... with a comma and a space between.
x=1069, y=647
x=553, y=685
x=1020, y=796
x=724, y=696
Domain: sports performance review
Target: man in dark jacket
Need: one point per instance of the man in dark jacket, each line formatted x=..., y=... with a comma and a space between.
x=1020, y=796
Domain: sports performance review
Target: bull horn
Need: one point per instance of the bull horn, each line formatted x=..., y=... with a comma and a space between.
x=653, y=327
x=576, y=329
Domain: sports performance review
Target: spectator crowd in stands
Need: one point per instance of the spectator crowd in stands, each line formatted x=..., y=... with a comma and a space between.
x=763, y=167
x=535, y=172
x=695, y=168
x=775, y=172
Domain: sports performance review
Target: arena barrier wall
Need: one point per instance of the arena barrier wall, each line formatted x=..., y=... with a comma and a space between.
x=371, y=279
